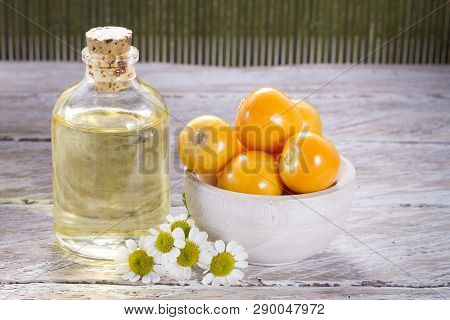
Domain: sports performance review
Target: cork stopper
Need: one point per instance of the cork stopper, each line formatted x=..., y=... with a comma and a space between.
x=110, y=57
x=109, y=40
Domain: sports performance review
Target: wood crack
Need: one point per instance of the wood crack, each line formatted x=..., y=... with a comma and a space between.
x=25, y=201
x=391, y=142
x=246, y=284
x=30, y=201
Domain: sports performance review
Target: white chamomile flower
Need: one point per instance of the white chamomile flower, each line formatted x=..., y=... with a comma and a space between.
x=196, y=243
x=179, y=221
x=166, y=244
x=222, y=264
x=134, y=261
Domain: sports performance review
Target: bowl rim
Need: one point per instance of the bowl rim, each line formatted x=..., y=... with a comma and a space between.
x=347, y=174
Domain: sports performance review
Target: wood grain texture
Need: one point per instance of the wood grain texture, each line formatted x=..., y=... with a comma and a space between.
x=414, y=174
x=392, y=123
x=108, y=291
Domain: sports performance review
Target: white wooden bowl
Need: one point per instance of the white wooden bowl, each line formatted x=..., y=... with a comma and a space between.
x=274, y=230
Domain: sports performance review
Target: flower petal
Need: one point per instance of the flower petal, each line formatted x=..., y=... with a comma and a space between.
x=165, y=227
x=131, y=245
x=231, y=279
x=157, y=258
x=153, y=231
x=224, y=281
x=170, y=257
x=166, y=259
x=143, y=243
x=128, y=275
x=190, y=222
x=237, y=250
x=179, y=243
x=216, y=281
x=122, y=255
x=205, y=257
x=241, y=264
x=201, y=237
x=241, y=256
x=193, y=233
x=178, y=233
x=231, y=245
x=175, y=252
x=170, y=218
x=146, y=278
x=135, y=278
x=187, y=272
x=152, y=251
x=150, y=239
x=146, y=243
x=202, y=265
x=238, y=274
x=207, y=279
x=123, y=268
x=155, y=277
x=220, y=246
x=181, y=217
x=159, y=269
x=205, y=246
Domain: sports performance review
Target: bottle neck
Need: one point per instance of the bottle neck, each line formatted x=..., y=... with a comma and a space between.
x=110, y=73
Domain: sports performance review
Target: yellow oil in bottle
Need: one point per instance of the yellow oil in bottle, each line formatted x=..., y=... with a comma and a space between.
x=111, y=178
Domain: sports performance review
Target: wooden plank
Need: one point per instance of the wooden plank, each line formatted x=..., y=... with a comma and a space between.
x=393, y=123
x=409, y=89
x=381, y=250
x=37, y=78
x=427, y=182
x=425, y=119
x=105, y=292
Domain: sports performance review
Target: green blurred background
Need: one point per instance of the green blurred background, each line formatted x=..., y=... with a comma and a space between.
x=235, y=32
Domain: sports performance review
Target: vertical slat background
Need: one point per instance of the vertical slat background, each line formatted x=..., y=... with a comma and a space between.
x=235, y=32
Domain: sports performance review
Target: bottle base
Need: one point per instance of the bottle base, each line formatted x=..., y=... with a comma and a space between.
x=92, y=247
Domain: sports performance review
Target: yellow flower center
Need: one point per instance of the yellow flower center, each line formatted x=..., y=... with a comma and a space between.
x=164, y=242
x=189, y=254
x=222, y=264
x=140, y=262
x=183, y=225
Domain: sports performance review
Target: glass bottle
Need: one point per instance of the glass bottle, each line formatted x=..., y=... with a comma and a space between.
x=110, y=151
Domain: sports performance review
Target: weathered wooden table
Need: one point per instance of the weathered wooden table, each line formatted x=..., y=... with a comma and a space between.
x=393, y=122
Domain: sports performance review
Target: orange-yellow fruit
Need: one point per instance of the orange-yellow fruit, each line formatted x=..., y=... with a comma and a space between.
x=241, y=147
x=206, y=144
x=266, y=119
x=310, y=117
x=253, y=172
x=309, y=163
